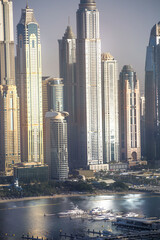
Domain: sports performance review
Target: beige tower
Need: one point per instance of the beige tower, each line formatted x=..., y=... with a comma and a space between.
x=129, y=110
x=9, y=101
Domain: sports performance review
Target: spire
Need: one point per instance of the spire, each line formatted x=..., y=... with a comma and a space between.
x=68, y=20
x=27, y=5
x=68, y=33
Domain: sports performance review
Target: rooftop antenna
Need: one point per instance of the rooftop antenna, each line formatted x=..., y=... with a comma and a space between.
x=27, y=4
x=69, y=21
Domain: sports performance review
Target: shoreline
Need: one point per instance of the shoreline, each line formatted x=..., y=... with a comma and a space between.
x=68, y=195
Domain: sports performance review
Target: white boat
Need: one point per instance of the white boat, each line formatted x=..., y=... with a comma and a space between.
x=100, y=218
x=73, y=212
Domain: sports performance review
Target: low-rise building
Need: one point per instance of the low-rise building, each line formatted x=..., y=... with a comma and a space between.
x=28, y=172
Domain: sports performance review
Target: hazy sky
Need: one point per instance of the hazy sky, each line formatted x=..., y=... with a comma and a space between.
x=124, y=27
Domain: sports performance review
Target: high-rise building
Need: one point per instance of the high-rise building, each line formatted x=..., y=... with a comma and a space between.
x=9, y=101
x=52, y=93
x=142, y=108
x=67, y=65
x=56, y=147
x=129, y=112
x=110, y=108
x=89, y=99
x=29, y=78
x=152, y=97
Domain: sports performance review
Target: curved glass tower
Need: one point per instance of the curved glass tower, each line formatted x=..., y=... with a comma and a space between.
x=152, y=97
x=89, y=106
x=29, y=77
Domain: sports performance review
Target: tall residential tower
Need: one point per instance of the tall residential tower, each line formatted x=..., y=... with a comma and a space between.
x=110, y=108
x=67, y=65
x=89, y=99
x=129, y=110
x=152, y=98
x=9, y=101
x=29, y=77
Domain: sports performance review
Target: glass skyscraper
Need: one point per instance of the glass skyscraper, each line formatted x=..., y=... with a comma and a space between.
x=152, y=98
x=29, y=78
x=110, y=108
x=89, y=99
x=9, y=100
x=56, y=145
x=67, y=67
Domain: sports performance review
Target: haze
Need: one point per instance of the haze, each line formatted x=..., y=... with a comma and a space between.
x=125, y=27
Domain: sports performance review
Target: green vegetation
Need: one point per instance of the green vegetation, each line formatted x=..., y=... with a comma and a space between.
x=118, y=187
x=53, y=187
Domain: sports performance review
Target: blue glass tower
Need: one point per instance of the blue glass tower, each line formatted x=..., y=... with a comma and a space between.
x=152, y=97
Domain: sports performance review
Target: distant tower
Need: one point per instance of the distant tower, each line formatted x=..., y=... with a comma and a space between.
x=56, y=147
x=130, y=144
x=52, y=91
x=142, y=108
x=110, y=108
x=67, y=64
x=89, y=99
x=29, y=77
x=9, y=101
x=152, y=98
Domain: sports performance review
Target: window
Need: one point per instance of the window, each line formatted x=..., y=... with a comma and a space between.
x=33, y=44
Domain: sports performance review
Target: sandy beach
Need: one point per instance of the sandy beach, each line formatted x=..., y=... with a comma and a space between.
x=66, y=195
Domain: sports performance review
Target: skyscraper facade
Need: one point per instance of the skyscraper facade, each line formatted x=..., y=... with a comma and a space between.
x=110, y=108
x=67, y=64
x=29, y=78
x=52, y=92
x=143, y=142
x=152, y=97
x=89, y=99
x=56, y=145
x=9, y=101
x=129, y=110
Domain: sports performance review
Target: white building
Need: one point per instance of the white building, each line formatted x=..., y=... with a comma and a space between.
x=89, y=99
x=110, y=108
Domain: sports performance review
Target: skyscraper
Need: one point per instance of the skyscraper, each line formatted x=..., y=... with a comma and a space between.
x=152, y=97
x=143, y=142
x=129, y=110
x=67, y=65
x=9, y=101
x=52, y=92
x=89, y=99
x=56, y=145
x=110, y=108
x=29, y=77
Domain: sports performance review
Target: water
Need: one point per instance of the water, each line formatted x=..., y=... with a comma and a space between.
x=28, y=216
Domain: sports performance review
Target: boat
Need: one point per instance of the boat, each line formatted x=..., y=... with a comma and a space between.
x=139, y=223
x=100, y=218
x=49, y=214
x=74, y=212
